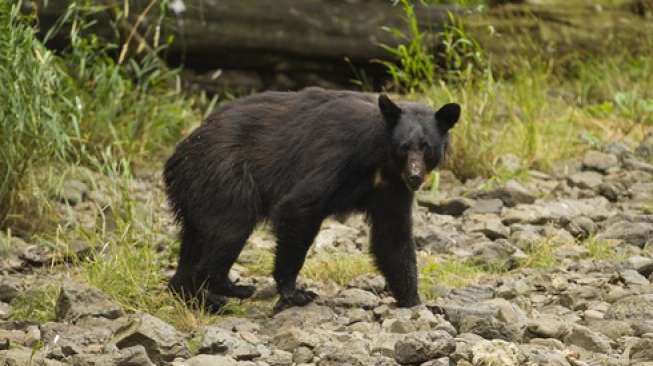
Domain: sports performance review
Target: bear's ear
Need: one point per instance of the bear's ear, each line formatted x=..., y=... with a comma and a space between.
x=389, y=110
x=447, y=116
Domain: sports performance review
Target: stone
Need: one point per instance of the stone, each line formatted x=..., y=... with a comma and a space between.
x=63, y=339
x=444, y=206
x=210, y=360
x=291, y=338
x=335, y=234
x=636, y=164
x=580, y=227
x=632, y=307
x=561, y=210
x=632, y=278
x=488, y=225
x=547, y=326
x=486, y=206
x=302, y=354
x=280, y=358
x=641, y=264
x=423, y=346
x=499, y=254
x=509, y=163
x=634, y=233
x=642, y=350
x=367, y=282
x=9, y=289
x=645, y=148
x=511, y=194
x=497, y=352
x=356, y=298
x=217, y=340
x=303, y=317
x=76, y=301
x=588, y=339
x=131, y=356
x=585, y=180
x=25, y=356
x=613, y=329
x=161, y=340
x=73, y=192
x=599, y=161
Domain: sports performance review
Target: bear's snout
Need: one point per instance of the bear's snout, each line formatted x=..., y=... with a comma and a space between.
x=415, y=171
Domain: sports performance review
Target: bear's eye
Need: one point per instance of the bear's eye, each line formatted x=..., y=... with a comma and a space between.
x=404, y=147
x=424, y=146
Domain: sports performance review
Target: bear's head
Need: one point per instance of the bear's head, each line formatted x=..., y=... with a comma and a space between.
x=419, y=137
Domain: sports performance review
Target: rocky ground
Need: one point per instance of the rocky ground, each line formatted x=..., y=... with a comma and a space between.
x=563, y=276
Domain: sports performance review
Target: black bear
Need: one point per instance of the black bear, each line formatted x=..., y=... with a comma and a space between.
x=294, y=158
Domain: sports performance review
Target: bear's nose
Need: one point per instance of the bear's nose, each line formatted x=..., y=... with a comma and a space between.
x=414, y=181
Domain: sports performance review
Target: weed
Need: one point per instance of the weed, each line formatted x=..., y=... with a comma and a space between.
x=540, y=254
x=598, y=248
x=450, y=273
x=36, y=305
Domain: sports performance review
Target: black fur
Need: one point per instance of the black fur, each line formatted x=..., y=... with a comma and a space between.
x=294, y=158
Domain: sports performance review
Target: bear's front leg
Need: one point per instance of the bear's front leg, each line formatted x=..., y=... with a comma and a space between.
x=295, y=226
x=392, y=243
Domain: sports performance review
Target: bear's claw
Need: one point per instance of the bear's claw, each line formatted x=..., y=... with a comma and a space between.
x=296, y=298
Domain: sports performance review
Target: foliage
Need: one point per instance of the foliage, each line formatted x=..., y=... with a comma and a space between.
x=76, y=106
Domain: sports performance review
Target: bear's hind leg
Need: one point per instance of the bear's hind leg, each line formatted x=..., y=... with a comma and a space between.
x=229, y=233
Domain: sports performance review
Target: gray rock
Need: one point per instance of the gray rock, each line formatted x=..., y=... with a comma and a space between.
x=497, y=352
x=423, y=346
x=303, y=317
x=645, y=148
x=634, y=233
x=162, y=341
x=633, y=278
x=548, y=326
x=488, y=225
x=580, y=227
x=498, y=254
x=585, y=180
x=486, y=206
x=600, y=162
x=561, y=210
x=444, y=206
x=302, y=354
x=613, y=329
x=131, y=356
x=588, y=339
x=635, y=164
x=443, y=361
x=280, y=358
x=356, y=298
x=217, y=340
x=511, y=194
x=509, y=163
x=25, y=356
x=632, y=307
x=9, y=289
x=611, y=191
x=641, y=264
x=5, y=311
x=210, y=360
x=73, y=192
x=87, y=337
x=384, y=343
x=77, y=301
x=642, y=350
x=367, y=282
x=291, y=338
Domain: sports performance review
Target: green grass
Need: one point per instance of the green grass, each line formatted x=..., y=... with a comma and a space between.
x=436, y=273
x=599, y=249
x=80, y=106
x=36, y=305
